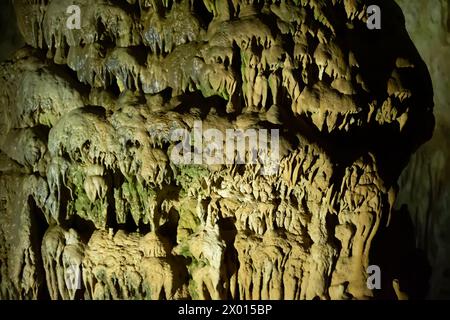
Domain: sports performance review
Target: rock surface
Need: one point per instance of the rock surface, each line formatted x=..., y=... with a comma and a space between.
x=428, y=23
x=87, y=117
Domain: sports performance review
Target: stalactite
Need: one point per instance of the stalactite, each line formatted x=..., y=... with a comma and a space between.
x=87, y=135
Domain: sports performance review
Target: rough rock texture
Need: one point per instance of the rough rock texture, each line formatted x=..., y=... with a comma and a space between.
x=86, y=121
x=424, y=185
x=10, y=38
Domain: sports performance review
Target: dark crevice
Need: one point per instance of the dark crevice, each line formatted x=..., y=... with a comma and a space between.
x=394, y=251
x=39, y=226
x=448, y=16
x=202, y=14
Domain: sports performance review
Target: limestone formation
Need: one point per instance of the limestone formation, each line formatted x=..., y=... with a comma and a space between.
x=87, y=123
x=428, y=23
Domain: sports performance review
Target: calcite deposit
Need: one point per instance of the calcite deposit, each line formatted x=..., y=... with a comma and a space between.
x=89, y=184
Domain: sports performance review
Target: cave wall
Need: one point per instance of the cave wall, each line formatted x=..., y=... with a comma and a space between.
x=333, y=245
x=10, y=38
x=424, y=185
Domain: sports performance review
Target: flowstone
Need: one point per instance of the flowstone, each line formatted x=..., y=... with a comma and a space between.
x=86, y=128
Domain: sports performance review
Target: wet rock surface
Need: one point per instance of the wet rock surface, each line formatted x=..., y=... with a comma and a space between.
x=87, y=117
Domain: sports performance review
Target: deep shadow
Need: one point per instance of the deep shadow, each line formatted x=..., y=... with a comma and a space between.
x=394, y=251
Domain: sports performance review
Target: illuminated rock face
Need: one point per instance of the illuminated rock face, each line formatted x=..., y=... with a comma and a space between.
x=90, y=184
